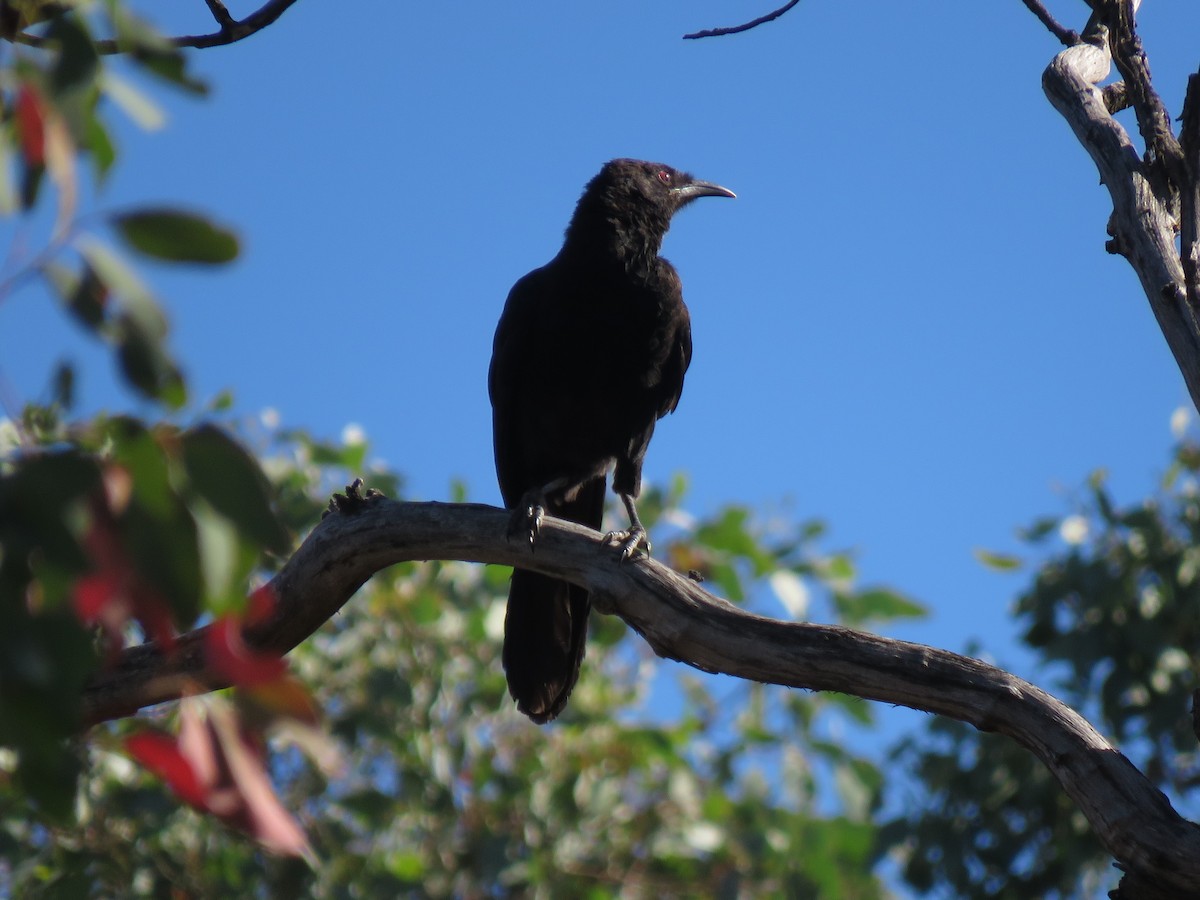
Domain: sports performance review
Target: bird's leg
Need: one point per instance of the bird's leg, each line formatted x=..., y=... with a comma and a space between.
x=526, y=519
x=636, y=537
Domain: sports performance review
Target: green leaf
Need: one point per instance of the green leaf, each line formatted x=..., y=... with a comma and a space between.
x=877, y=604
x=77, y=62
x=221, y=402
x=135, y=448
x=8, y=190
x=119, y=278
x=151, y=50
x=146, y=366
x=63, y=389
x=1040, y=529
x=229, y=479
x=140, y=329
x=176, y=236
x=84, y=296
x=36, y=503
x=97, y=141
x=883, y=604
x=218, y=544
x=172, y=68
x=839, y=567
x=1000, y=562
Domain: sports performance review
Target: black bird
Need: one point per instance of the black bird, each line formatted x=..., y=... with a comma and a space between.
x=590, y=352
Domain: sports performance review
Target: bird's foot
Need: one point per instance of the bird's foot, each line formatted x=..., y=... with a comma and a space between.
x=526, y=521
x=629, y=541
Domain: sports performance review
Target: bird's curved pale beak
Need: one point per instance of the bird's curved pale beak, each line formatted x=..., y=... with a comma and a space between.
x=694, y=189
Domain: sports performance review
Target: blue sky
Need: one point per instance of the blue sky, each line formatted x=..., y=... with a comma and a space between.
x=906, y=324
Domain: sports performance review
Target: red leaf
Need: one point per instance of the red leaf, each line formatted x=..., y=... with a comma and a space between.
x=115, y=578
x=261, y=814
x=260, y=606
x=220, y=768
x=228, y=656
x=31, y=125
x=160, y=754
x=153, y=614
x=94, y=595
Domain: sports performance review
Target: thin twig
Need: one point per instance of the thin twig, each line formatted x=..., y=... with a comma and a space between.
x=231, y=30
x=221, y=14
x=1066, y=36
x=718, y=32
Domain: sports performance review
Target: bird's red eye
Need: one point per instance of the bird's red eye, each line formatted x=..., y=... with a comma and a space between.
x=664, y=176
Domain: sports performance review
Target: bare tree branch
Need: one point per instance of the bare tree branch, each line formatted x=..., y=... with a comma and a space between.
x=735, y=29
x=1146, y=194
x=221, y=14
x=1127, y=52
x=1065, y=36
x=230, y=32
x=1189, y=193
x=682, y=621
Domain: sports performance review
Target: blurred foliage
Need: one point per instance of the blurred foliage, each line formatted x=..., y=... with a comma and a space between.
x=656, y=781
x=1113, y=612
x=57, y=102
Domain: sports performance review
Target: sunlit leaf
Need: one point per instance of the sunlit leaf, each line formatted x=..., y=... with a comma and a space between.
x=9, y=200
x=140, y=108
x=791, y=591
x=117, y=276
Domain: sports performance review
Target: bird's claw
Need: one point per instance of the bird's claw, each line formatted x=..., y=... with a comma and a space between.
x=629, y=541
x=526, y=520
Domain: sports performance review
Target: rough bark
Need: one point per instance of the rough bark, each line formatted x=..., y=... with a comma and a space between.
x=1154, y=194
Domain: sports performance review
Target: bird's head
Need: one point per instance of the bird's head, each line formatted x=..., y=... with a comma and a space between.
x=633, y=202
x=634, y=182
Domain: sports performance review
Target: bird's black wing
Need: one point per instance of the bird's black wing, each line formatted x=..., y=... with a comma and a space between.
x=677, y=363
x=545, y=625
x=514, y=352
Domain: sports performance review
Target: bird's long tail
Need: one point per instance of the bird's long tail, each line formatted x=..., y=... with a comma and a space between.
x=545, y=626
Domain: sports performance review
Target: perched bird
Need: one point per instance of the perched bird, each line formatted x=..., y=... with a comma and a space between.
x=590, y=352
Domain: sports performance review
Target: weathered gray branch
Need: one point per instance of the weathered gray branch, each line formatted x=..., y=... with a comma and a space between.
x=682, y=621
x=1148, y=193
